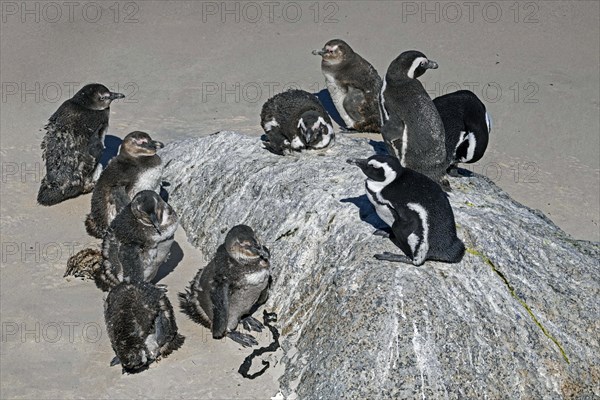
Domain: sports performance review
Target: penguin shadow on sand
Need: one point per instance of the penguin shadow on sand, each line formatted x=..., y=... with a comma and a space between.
x=325, y=99
x=111, y=149
x=367, y=212
x=169, y=265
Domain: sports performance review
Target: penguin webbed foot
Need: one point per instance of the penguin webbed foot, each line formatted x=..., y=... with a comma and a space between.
x=386, y=256
x=115, y=361
x=252, y=324
x=243, y=339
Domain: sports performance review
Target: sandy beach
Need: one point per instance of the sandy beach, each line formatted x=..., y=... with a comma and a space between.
x=192, y=68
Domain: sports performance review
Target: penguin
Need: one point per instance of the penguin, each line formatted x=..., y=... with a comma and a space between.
x=467, y=125
x=411, y=125
x=353, y=84
x=73, y=144
x=230, y=287
x=415, y=207
x=137, y=242
x=141, y=325
x=137, y=167
x=295, y=120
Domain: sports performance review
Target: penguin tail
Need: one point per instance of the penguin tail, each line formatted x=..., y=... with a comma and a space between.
x=104, y=277
x=84, y=264
x=49, y=195
x=173, y=345
x=190, y=306
x=92, y=227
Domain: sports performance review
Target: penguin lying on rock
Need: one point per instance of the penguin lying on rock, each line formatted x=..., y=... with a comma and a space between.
x=137, y=167
x=230, y=287
x=467, y=125
x=141, y=325
x=416, y=209
x=295, y=120
x=73, y=144
x=353, y=85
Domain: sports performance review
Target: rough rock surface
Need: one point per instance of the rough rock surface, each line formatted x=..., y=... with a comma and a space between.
x=517, y=318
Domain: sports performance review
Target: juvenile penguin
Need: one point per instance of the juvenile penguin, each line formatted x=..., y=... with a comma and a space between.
x=138, y=241
x=416, y=209
x=73, y=144
x=137, y=167
x=412, y=128
x=141, y=325
x=353, y=84
x=295, y=120
x=467, y=125
x=230, y=287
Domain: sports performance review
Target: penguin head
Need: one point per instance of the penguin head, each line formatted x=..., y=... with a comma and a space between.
x=410, y=64
x=140, y=144
x=379, y=168
x=243, y=246
x=312, y=127
x=334, y=52
x=95, y=97
x=151, y=210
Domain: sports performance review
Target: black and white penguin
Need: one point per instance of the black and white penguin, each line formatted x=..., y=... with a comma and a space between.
x=353, y=84
x=467, y=125
x=411, y=125
x=230, y=287
x=416, y=209
x=138, y=241
x=137, y=167
x=295, y=120
x=73, y=144
x=141, y=325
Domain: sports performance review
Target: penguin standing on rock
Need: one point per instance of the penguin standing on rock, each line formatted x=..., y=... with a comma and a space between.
x=230, y=287
x=73, y=144
x=467, y=125
x=353, y=84
x=295, y=120
x=412, y=128
x=137, y=167
x=416, y=209
x=141, y=325
x=138, y=241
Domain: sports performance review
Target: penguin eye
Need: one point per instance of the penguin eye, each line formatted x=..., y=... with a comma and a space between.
x=423, y=63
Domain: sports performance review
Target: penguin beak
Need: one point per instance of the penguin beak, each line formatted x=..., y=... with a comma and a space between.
x=319, y=52
x=155, y=144
x=114, y=96
x=431, y=65
x=308, y=134
x=262, y=252
x=155, y=222
x=359, y=162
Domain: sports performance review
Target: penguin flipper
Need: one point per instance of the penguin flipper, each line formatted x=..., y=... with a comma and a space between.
x=405, y=224
x=220, y=301
x=353, y=103
x=190, y=306
x=131, y=262
x=121, y=198
x=392, y=133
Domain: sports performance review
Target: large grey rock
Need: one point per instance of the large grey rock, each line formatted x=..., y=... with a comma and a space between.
x=518, y=318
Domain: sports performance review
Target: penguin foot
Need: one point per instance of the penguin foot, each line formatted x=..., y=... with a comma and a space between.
x=386, y=256
x=242, y=338
x=453, y=172
x=115, y=361
x=252, y=324
x=383, y=233
x=445, y=184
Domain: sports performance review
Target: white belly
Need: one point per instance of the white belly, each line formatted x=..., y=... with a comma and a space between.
x=148, y=180
x=338, y=95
